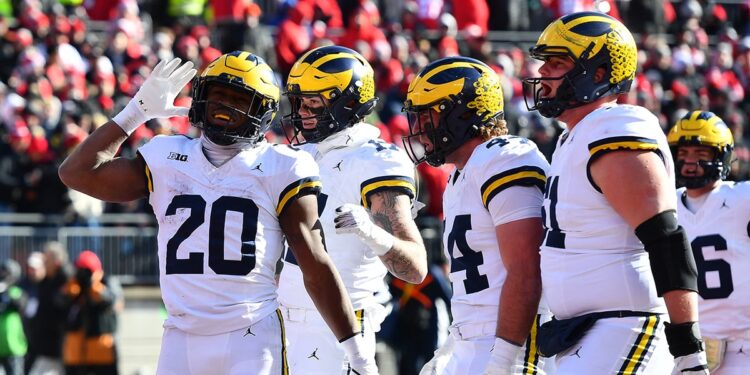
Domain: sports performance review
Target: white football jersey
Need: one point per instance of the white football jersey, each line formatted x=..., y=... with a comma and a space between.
x=591, y=258
x=471, y=204
x=361, y=166
x=219, y=234
x=719, y=233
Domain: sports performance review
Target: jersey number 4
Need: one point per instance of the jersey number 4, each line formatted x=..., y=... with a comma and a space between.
x=193, y=264
x=720, y=266
x=470, y=260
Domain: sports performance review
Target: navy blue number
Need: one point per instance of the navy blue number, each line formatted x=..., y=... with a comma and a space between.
x=497, y=141
x=249, y=211
x=381, y=145
x=470, y=260
x=554, y=237
x=726, y=286
x=322, y=199
x=194, y=263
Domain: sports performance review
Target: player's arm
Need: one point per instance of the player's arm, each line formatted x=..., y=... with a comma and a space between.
x=519, y=299
x=518, y=229
x=303, y=232
x=93, y=168
x=301, y=226
x=407, y=257
x=637, y=186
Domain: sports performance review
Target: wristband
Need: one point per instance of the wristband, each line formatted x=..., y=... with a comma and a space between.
x=130, y=118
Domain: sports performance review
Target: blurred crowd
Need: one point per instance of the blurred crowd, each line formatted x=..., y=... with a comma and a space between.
x=68, y=66
x=57, y=317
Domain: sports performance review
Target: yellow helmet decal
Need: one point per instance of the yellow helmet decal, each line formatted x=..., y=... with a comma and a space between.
x=703, y=128
x=489, y=100
x=246, y=69
x=624, y=56
x=367, y=89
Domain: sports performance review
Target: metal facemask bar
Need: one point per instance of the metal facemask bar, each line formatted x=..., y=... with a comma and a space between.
x=325, y=122
x=252, y=123
x=565, y=97
x=414, y=148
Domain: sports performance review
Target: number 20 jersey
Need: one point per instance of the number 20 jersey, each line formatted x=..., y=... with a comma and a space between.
x=219, y=234
x=591, y=259
x=719, y=233
x=476, y=268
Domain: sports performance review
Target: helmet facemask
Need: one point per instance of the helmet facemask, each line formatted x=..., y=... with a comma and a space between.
x=443, y=138
x=595, y=42
x=578, y=86
x=713, y=170
x=701, y=128
x=339, y=76
x=243, y=124
x=325, y=123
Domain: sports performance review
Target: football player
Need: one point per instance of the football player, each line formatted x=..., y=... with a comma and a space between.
x=612, y=247
x=223, y=203
x=365, y=205
x=492, y=208
x=716, y=217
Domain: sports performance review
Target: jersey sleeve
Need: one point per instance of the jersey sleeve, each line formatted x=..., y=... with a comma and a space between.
x=300, y=177
x=512, y=179
x=622, y=128
x=151, y=151
x=386, y=169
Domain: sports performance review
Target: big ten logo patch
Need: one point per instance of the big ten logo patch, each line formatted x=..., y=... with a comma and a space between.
x=177, y=156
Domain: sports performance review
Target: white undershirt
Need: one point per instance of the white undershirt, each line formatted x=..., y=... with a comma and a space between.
x=695, y=204
x=220, y=154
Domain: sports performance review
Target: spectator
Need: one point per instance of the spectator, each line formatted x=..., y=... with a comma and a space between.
x=12, y=338
x=48, y=324
x=293, y=37
x=30, y=285
x=90, y=302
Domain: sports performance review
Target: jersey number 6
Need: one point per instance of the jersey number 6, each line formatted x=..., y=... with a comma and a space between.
x=197, y=206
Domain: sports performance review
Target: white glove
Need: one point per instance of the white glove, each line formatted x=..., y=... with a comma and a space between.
x=503, y=358
x=155, y=98
x=352, y=218
x=359, y=363
x=691, y=364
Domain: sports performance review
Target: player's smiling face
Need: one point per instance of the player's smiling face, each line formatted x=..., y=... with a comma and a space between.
x=226, y=106
x=690, y=156
x=310, y=107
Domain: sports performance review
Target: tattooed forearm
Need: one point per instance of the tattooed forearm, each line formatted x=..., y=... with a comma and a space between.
x=401, y=266
x=407, y=259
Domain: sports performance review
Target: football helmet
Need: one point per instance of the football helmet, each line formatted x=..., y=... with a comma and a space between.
x=340, y=76
x=246, y=73
x=699, y=128
x=592, y=40
x=463, y=93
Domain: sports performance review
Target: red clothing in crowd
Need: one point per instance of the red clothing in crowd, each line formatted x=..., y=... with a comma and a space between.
x=472, y=12
x=293, y=37
x=229, y=10
x=327, y=10
x=362, y=29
